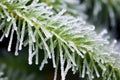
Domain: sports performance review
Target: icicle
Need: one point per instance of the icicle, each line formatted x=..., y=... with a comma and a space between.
x=33, y=47
x=96, y=71
x=30, y=52
x=56, y=69
x=62, y=61
x=16, y=49
x=2, y=37
x=83, y=71
x=52, y=51
x=36, y=61
x=53, y=59
x=22, y=36
x=11, y=38
x=55, y=74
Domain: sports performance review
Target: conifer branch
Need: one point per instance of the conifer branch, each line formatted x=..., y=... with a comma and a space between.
x=39, y=27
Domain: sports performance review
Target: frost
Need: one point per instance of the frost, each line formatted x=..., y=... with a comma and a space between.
x=68, y=41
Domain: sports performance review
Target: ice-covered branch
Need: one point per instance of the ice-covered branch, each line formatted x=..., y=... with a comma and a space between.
x=71, y=39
